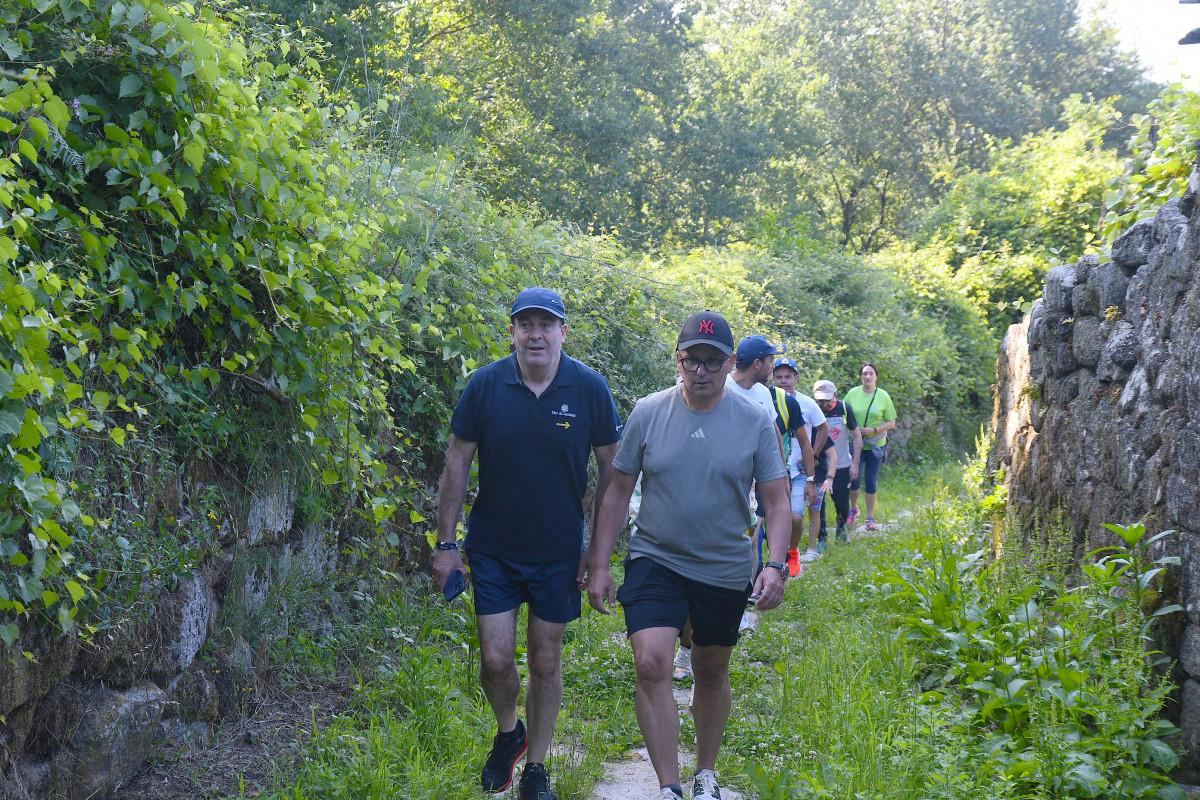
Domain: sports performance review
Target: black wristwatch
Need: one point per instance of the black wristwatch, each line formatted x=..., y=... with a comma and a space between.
x=446, y=546
x=779, y=565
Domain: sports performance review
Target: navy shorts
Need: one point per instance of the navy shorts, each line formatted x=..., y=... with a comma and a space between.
x=549, y=587
x=653, y=596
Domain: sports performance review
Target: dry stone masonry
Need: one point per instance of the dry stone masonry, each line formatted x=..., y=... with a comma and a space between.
x=1097, y=411
x=79, y=719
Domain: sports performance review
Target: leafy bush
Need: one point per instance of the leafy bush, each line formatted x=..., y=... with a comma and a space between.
x=179, y=238
x=1052, y=673
x=196, y=246
x=1163, y=154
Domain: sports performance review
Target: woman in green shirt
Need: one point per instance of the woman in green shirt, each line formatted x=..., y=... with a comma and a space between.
x=876, y=415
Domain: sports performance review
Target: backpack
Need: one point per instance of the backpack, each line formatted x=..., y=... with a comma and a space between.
x=781, y=408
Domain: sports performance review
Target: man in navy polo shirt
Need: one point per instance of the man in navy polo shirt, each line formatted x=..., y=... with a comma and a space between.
x=534, y=418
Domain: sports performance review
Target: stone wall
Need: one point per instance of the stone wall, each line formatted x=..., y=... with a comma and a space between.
x=1097, y=411
x=79, y=719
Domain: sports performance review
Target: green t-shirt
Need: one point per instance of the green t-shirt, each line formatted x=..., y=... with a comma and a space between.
x=881, y=409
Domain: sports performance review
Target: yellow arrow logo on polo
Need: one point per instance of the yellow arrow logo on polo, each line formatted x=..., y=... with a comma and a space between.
x=564, y=425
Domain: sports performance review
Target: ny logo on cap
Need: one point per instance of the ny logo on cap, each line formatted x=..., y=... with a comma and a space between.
x=706, y=326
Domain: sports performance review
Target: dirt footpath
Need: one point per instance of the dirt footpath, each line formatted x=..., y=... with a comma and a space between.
x=633, y=778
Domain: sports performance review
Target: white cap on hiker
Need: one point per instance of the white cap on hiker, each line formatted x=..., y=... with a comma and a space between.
x=824, y=390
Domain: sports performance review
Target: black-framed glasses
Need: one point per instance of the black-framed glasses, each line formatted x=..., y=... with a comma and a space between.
x=693, y=364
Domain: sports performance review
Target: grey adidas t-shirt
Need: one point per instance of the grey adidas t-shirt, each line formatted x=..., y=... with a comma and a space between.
x=697, y=468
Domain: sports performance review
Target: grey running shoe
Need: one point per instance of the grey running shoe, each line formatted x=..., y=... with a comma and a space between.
x=683, y=664
x=705, y=787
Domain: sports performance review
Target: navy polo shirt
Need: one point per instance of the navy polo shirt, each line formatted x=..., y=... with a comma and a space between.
x=533, y=457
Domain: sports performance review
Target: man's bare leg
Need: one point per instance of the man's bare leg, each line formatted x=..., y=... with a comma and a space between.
x=543, y=696
x=657, y=715
x=498, y=666
x=797, y=531
x=711, y=701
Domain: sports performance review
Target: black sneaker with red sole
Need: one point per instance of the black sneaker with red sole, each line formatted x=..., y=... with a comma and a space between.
x=507, y=749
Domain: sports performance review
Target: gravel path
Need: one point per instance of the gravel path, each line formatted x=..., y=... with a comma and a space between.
x=633, y=778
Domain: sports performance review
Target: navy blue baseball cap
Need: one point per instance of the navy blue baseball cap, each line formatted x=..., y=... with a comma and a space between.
x=537, y=297
x=753, y=347
x=706, y=327
x=786, y=362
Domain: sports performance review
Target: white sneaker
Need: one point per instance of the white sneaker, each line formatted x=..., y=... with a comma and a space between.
x=668, y=794
x=704, y=786
x=683, y=664
x=811, y=555
x=747, y=623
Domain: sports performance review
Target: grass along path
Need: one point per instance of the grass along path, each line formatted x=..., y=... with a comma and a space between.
x=828, y=694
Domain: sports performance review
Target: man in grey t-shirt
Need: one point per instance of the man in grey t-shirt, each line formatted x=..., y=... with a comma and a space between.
x=698, y=447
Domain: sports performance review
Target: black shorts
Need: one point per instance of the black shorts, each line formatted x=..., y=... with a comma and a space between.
x=655, y=597
x=549, y=587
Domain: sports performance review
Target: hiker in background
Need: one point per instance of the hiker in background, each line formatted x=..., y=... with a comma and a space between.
x=847, y=439
x=534, y=418
x=876, y=414
x=755, y=367
x=699, y=447
x=815, y=426
x=826, y=466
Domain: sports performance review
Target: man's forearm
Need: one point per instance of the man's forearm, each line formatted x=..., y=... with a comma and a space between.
x=779, y=530
x=452, y=494
x=610, y=518
x=806, y=450
x=602, y=481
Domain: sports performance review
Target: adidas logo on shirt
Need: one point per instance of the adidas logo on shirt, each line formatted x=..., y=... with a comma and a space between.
x=698, y=433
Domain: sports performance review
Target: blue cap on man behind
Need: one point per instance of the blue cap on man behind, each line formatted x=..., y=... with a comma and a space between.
x=786, y=362
x=537, y=297
x=753, y=347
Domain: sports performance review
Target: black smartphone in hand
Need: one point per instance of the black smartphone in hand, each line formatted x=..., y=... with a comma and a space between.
x=455, y=585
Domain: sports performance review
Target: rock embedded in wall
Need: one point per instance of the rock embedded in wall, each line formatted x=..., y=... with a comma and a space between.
x=111, y=742
x=271, y=508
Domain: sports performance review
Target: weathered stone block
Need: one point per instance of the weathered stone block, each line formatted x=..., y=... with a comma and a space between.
x=1061, y=391
x=58, y=715
x=1189, y=722
x=1119, y=354
x=1170, y=227
x=111, y=742
x=1037, y=316
x=1183, y=490
x=22, y=680
x=194, y=695
x=1086, y=341
x=186, y=620
x=1111, y=281
x=1189, y=649
x=1132, y=248
x=1085, y=300
x=272, y=506
x=27, y=779
x=1060, y=283
x=13, y=732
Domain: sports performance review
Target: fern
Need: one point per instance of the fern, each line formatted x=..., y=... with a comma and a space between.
x=59, y=151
